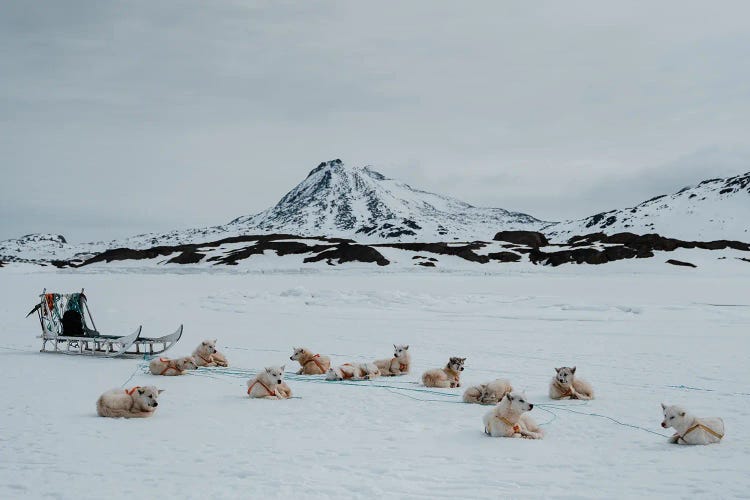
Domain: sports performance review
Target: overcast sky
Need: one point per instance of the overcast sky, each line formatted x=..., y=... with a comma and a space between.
x=119, y=118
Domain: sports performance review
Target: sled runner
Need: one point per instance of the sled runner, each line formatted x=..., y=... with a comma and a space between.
x=64, y=326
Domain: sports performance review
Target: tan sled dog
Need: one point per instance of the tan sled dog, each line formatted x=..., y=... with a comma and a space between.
x=509, y=418
x=398, y=364
x=171, y=367
x=206, y=354
x=349, y=371
x=311, y=364
x=488, y=394
x=445, y=377
x=690, y=429
x=269, y=384
x=136, y=402
x=565, y=385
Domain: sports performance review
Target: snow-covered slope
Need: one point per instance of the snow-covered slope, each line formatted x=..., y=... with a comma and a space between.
x=715, y=209
x=357, y=202
x=34, y=247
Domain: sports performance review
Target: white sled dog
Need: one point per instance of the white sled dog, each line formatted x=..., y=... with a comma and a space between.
x=509, y=418
x=488, y=394
x=565, y=385
x=690, y=429
x=311, y=364
x=445, y=377
x=206, y=354
x=269, y=384
x=398, y=364
x=136, y=402
x=353, y=371
x=171, y=367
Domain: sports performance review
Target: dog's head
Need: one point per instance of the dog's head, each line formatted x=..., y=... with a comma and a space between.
x=518, y=402
x=332, y=374
x=208, y=346
x=400, y=351
x=186, y=363
x=275, y=374
x=147, y=396
x=565, y=375
x=298, y=352
x=456, y=364
x=674, y=416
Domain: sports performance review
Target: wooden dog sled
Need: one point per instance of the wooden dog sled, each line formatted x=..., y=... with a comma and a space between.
x=62, y=317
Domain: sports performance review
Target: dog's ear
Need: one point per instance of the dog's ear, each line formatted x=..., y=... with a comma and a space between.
x=395, y=346
x=406, y=347
x=463, y=360
x=141, y=391
x=663, y=406
x=216, y=340
x=557, y=370
x=573, y=370
x=161, y=390
x=510, y=398
x=268, y=369
x=283, y=367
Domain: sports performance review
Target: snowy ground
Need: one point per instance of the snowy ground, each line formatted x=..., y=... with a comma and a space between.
x=642, y=332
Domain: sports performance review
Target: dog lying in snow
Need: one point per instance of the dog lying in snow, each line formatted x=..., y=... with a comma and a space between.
x=509, y=418
x=565, y=385
x=690, y=429
x=488, y=394
x=398, y=364
x=445, y=377
x=311, y=364
x=170, y=367
x=136, y=402
x=206, y=354
x=269, y=384
x=349, y=371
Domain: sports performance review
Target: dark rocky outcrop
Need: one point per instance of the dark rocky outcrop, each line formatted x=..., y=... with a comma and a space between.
x=680, y=263
x=465, y=251
x=350, y=253
x=504, y=256
x=594, y=248
x=529, y=238
x=187, y=257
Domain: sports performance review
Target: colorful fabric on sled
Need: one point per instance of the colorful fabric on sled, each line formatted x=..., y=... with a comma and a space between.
x=54, y=307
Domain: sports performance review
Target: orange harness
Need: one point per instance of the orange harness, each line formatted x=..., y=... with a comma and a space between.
x=209, y=360
x=700, y=426
x=567, y=393
x=165, y=370
x=402, y=367
x=130, y=391
x=344, y=375
x=262, y=384
x=516, y=428
x=314, y=360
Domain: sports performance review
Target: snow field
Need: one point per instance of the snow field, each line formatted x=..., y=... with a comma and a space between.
x=641, y=332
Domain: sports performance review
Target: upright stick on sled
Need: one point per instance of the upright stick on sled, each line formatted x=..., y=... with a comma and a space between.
x=63, y=322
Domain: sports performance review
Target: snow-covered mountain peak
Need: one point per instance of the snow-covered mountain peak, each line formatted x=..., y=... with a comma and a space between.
x=337, y=199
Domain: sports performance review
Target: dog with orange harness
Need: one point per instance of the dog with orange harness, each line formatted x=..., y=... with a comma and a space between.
x=398, y=364
x=206, y=354
x=172, y=367
x=269, y=384
x=311, y=364
x=510, y=418
x=691, y=429
x=353, y=371
x=136, y=402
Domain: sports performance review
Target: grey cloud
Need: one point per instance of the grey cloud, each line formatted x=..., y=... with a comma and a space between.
x=166, y=114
